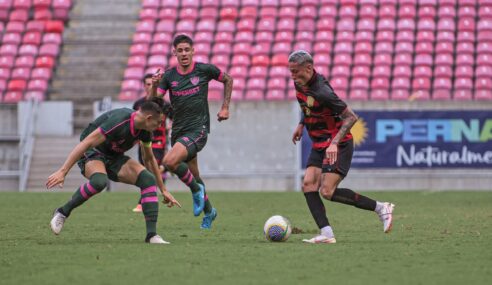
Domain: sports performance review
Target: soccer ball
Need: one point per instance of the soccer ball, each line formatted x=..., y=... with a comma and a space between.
x=277, y=228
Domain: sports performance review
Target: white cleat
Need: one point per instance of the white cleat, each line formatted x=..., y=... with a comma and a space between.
x=57, y=222
x=320, y=239
x=158, y=240
x=386, y=216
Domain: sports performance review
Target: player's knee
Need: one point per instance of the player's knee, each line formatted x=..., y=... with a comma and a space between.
x=309, y=186
x=170, y=163
x=99, y=181
x=145, y=179
x=327, y=191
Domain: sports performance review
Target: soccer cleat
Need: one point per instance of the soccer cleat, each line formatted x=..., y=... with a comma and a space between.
x=386, y=216
x=138, y=208
x=157, y=239
x=198, y=201
x=320, y=239
x=208, y=219
x=57, y=222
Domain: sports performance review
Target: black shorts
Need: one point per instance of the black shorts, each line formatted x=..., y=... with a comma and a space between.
x=158, y=154
x=194, y=141
x=317, y=158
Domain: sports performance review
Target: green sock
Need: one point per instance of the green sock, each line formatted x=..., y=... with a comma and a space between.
x=150, y=202
x=184, y=174
x=208, y=206
x=97, y=182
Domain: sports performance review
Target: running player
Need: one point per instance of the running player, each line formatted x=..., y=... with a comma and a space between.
x=159, y=139
x=188, y=91
x=100, y=155
x=328, y=121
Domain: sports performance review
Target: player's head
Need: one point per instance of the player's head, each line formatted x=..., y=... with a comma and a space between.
x=147, y=82
x=183, y=50
x=151, y=113
x=301, y=66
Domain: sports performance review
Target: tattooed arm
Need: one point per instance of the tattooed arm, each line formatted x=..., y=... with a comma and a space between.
x=224, y=111
x=348, y=120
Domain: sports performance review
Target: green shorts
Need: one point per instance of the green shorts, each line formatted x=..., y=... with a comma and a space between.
x=113, y=164
x=194, y=142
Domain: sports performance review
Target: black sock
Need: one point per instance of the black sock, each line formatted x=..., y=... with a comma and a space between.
x=149, y=236
x=317, y=209
x=349, y=197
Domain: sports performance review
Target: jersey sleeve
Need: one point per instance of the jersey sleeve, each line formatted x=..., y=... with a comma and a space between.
x=213, y=72
x=167, y=110
x=111, y=128
x=327, y=97
x=163, y=85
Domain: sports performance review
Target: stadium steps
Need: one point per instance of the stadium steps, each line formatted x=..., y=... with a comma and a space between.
x=94, y=56
x=48, y=155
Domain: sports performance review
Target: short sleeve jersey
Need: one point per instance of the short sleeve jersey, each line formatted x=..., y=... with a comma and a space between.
x=321, y=109
x=160, y=134
x=119, y=129
x=188, y=94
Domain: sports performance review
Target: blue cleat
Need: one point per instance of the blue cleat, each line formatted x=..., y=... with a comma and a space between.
x=198, y=201
x=208, y=219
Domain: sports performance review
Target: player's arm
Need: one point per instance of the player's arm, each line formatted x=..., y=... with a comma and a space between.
x=228, y=82
x=156, y=90
x=348, y=120
x=298, y=131
x=151, y=164
x=92, y=140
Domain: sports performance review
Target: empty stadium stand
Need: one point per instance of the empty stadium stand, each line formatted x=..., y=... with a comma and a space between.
x=396, y=50
x=30, y=40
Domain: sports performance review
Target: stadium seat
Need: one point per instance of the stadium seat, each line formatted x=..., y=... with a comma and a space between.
x=254, y=95
x=49, y=50
x=38, y=85
x=45, y=61
x=24, y=61
x=128, y=95
x=35, y=95
x=17, y=85
x=13, y=97
x=41, y=73
x=21, y=73
x=8, y=50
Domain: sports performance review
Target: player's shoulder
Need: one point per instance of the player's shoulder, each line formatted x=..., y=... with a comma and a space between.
x=203, y=66
x=170, y=71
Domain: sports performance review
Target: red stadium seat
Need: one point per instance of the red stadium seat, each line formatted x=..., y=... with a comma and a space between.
x=54, y=27
x=33, y=38
x=17, y=85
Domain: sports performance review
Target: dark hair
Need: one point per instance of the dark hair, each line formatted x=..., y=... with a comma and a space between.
x=154, y=105
x=182, y=38
x=148, y=75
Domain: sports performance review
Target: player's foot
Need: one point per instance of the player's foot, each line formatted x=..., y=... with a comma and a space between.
x=386, y=216
x=320, y=239
x=198, y=200
x=156, y=239
x=57, y=222
x=208, y=219
x=138, y=208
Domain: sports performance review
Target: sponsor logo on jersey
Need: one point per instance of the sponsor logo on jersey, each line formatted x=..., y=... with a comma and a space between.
x=195, y=80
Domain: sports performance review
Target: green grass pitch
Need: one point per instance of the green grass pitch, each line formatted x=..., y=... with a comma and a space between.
x=437, y=238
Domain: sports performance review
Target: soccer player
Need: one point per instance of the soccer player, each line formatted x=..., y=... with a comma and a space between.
x=159, y=140
x=100, y=155
x=328, y=121
x=188, y=91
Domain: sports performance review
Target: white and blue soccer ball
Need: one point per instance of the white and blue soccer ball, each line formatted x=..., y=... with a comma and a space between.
x=277, y=228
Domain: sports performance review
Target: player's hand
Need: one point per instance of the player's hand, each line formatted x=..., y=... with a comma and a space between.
x=169, y=200
x=332, y=153
x=156, y=78
x=55, y=179
x=297, y=134
x=223, y=115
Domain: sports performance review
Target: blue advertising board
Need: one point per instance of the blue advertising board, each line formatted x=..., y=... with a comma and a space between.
x=420, y=139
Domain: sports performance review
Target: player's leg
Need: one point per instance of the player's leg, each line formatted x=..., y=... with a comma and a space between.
x=210, y=213
x=138, y=207
x=132, y=172
x=334, y=174
x=174, y=162
x=95, y=171
x=310, y=187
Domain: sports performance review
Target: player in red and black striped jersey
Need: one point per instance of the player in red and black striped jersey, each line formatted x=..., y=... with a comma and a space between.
x=159, y=136
x=328, y=121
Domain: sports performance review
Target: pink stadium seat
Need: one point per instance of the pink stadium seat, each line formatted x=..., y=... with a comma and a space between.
x=423, y=59
x=403, y=47
x=278, y=71
x=324, y=36
x=446, y=36
x=240, y=60
x=405, y=36
x=260, y=60
x=154, y=4
x=38, y=85
x=168, y=13
x=13, y=97
x=359, y=94
x=35, y=26
x=465, y=48
x=43, y=14
x=41, y=73
x=157, y=60
x=35, y=95
x=256, y=84
x=345, y=37
x=402, y=71
x=169, y=3
x=424, y=48
x=134, y=73
x=466, y=24
x=277, y=83
x=11, y=38
x=381, y=71
x=4, y=74
x=275, y=94
x=442, y=83
x=483, y=71
x=484, y=47
x=15, y=27
x=188, y=14
x=17, y=85
x=139, y=49
x=142, y=38
x=360, y=71
x=59, y=4
x=367, y=11
x=162, y=38
x=400, y=94
x=281, y=47
x=444, y=59
x=425, y=36
x=359, y=83
x=388, y=11
x=464, y=59
x=380, y=83
x=49, y=50
x=462, y=95
x=222, y=61
x=287, y=12
x=346, y=25
x=190, y=4
x=159, y=49
x=286, y=24
x=400, y=83
x=268, y=12
x=226, y=26
x=33, y=38
x=209, y=13
x=137, y=61
x=483, y=94
x=483, y=83
x=203, y=37
x=254, y=95
x=484, y=59
x=131, y=85
x=185, y=26
x=28, y=50
x=484, y=25
x=463, y=83
x=406, y=25
x=21, y=4
x=21, y=73
x=383, y=47
x=8, y=50
x=244, y=36
x=448, y=12
x=7, y=61
x=248, y=12
x=441, y=94
x=339, y=59
x=427, y=12
x=326, y=24
x=367, y=36
x=422, y=71
x=322, y=47
x=24, y=61
x=128, y=95
x=45, y=61
x=206, y=26
x=263, y=36
x=147, y=26
x=464, y=71
x=52, y=38
x=444, y=47
x=228, y=13
x=340, y=71
x=407, y=11
x=366, y=25
x=242, y=48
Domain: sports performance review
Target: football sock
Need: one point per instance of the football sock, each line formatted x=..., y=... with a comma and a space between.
x=379, y=206
x=97, y=183
x=317, y=209
x=150, y=202
x=349, y=197
x=208, y=206
x=327, y=232
x=185, y=175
